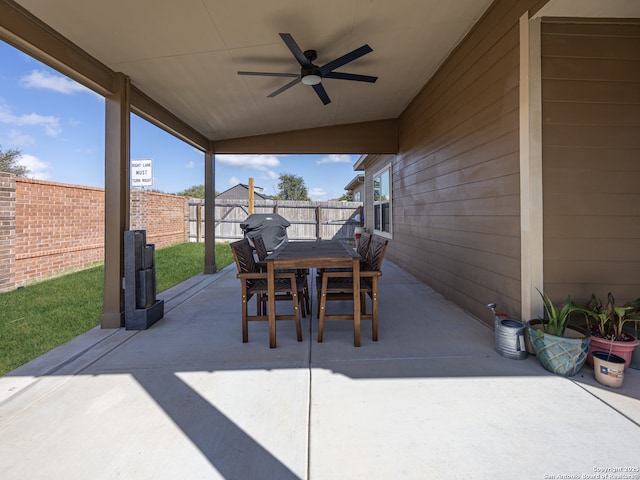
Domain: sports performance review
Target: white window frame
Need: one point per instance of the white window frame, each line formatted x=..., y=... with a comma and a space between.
x=382, y=233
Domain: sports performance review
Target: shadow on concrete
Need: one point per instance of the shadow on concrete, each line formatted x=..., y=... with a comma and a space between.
x=232, y=452
x=423, y=337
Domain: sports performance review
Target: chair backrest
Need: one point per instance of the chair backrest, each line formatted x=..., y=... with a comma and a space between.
x=363, y=244
x=375, y=254
x=243, y=255
x=261, y=249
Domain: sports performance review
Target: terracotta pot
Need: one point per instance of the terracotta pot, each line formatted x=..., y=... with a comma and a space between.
x=608, y=368
x=560, y=355
x=621, y=349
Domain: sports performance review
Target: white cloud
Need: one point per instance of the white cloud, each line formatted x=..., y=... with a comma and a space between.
x=257, y=162
x=317, y=194
x=335, y=158
x=37, y=168
x=50, y=123
x=191, y=164
x=262, y=163
x=44, y=80
x=18, y=139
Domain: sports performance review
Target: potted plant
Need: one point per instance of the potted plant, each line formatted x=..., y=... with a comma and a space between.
x=607, y=332
x=561, y=348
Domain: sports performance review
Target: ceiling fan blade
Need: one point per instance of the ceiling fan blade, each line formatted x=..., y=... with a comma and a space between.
x=286, y=87
x=349, y=57
x=322, y=93
x=267, y=74
x=295, y=49
x=350, y=76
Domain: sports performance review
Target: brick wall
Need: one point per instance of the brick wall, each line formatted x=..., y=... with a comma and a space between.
x=7, y=230
x=58, y=227
x=164, y=217
x=48, y=227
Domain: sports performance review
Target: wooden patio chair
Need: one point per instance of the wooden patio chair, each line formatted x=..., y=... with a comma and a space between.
x=363, y=244
x=254, y=282
x=262, y=253
x=338, y=285
x=362, y=249
x=261, y=250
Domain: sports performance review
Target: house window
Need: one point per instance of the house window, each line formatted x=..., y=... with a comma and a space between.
x=382, y=202
x=356, y=197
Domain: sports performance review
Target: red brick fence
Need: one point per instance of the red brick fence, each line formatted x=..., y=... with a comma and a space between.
x=48, y=227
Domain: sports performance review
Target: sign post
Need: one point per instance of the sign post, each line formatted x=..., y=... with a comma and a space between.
x=142, y=173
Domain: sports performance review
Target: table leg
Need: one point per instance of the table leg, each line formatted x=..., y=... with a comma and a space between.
x=356, y=302
x=271, y=300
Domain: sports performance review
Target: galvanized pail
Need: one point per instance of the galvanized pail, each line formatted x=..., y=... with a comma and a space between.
x=509, y=336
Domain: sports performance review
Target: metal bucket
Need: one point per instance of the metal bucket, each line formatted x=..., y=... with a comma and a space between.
x=509, y=335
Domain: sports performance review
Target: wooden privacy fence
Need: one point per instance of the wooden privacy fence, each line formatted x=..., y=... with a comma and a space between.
x=309, y=220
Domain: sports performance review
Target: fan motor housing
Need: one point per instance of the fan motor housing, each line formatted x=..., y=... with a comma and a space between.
x=310, y=70
x=311, y=55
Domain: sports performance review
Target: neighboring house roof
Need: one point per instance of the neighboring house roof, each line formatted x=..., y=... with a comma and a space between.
x=241, y=191
x=357, y=181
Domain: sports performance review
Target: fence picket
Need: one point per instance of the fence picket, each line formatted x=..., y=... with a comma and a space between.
x=309, y=220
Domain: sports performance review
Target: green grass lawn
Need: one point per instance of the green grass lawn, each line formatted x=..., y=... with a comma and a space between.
x=44, y=315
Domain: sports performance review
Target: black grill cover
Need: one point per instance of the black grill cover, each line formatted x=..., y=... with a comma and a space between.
x=271, y=226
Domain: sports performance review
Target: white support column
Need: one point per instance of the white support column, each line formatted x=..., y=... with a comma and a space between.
x=209, y=212
x=531, y=208
x=116, y=211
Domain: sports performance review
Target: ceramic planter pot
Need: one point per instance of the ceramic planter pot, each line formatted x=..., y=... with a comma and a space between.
x=621, y=349
x=562, y=356
x=608, y=368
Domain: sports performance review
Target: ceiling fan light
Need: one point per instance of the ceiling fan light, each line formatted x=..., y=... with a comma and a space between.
x=311, y=79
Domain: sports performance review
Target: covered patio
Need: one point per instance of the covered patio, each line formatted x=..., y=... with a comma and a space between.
x=454, y=120
x=187, y=399
x=459, y=88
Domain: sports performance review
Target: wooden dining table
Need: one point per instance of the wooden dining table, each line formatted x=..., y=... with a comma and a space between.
x=313, y=254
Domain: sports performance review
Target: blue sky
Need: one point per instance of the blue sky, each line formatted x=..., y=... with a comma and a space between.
x=58, y=125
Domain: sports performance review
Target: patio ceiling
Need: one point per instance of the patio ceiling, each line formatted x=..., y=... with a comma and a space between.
x=185, y=55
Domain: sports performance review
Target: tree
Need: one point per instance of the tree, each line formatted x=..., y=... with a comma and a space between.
x=9, y=163
x=195, y=191
x=291, y=187
x=346, y=197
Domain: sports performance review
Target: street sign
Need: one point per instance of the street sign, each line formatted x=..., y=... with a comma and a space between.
x=142, y=173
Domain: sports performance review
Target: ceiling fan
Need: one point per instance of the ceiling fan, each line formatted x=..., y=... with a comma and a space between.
x=311, y=74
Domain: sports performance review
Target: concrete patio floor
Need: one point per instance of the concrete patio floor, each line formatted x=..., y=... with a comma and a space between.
x=186, y=399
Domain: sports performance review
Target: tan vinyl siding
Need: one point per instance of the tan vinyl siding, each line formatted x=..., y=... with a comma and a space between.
x=456, y=198
x=591, y=158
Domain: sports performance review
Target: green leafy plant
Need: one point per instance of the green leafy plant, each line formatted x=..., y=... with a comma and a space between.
x=558, y=319
x=610, y=319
